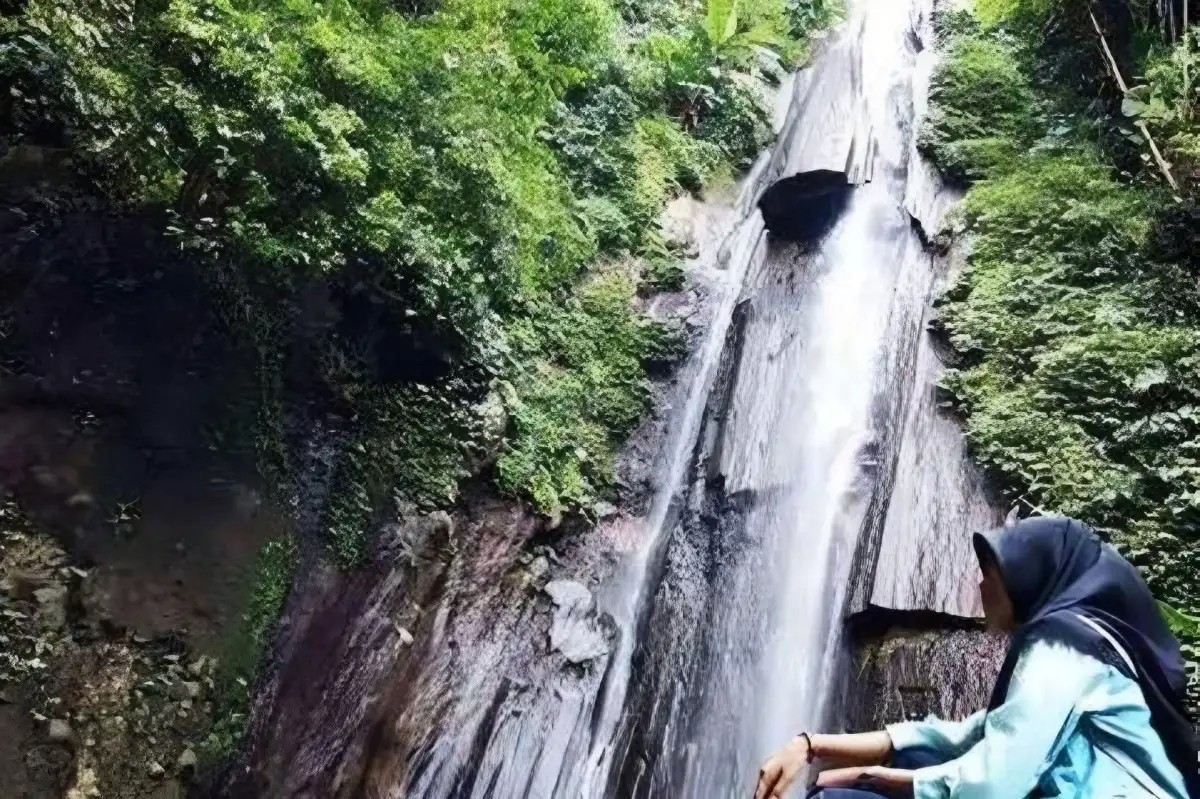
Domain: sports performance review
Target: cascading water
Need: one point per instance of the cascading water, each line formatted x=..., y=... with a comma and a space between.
x=796, y=471
x=807, y=475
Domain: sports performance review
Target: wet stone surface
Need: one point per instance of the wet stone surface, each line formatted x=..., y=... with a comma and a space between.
x=907, y=674
x=575, y=631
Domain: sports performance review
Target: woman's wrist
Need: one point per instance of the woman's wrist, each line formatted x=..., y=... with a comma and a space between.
x=814, y=746
x=847, y=749
x=810, y=750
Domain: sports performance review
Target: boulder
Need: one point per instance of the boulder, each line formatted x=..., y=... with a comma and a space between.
x=59, y=731
x=171, y=789
x=538, y=571
x=184, y=689
x=575, y=631
x=907, y=674
x=21, y=585
x=52, y=606
x=186, y=762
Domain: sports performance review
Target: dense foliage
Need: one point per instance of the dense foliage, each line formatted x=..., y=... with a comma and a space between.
x=455, y=174
x=982, y=105
x=463, y=194
x=1078, y=316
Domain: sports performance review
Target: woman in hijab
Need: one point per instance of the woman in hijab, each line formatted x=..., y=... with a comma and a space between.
x=1088, y=703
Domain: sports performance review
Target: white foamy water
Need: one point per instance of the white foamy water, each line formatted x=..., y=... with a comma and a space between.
x=806, y=475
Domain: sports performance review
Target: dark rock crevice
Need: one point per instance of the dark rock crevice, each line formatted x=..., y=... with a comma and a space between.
x=907, y=673
x=875, y=621
x=803, y=208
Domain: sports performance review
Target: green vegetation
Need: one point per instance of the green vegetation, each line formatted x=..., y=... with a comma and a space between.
x=1078, y=316
x=470, y=189
x=1181, y=624
x=982, y=105
x=1168, y=102
x=248, y=641
x=586, y=381
x=455, y=173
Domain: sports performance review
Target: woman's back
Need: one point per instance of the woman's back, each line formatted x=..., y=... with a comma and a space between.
x=1088, y=703
x=1070, y=726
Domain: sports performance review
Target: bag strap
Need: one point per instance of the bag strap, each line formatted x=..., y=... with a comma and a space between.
x=1131, y=767
x=1100, y=628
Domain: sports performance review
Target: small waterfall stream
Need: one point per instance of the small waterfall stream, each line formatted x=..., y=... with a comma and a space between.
x=821, y=449
x=807, y=476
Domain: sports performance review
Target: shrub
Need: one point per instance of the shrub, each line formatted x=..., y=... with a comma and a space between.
x=261, y=125
x=581, y=387
x=1077, y=316
x=692, y=162
x=805, y=17
x=984, y=111
x=1167, y=103
x=737, y=120
x=664, y=274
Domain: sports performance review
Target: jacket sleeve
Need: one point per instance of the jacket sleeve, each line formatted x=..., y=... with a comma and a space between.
x=1024, y=735
x=946, y=739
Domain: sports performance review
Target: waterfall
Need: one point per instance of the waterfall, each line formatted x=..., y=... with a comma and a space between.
x=822, y=449
x=807, y=475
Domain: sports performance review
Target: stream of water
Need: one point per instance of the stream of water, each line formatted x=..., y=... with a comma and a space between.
x=807, y=475
x=798, y=448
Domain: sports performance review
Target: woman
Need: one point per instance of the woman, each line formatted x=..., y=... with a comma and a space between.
x=1088, y=703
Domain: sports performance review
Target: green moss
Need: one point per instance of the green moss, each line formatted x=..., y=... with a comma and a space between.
x=579, y=387
x=664, y=274
x=243, y=650
x=1080, y=339
x=996, y=11
x=410, y=446
x=984, y=112
x=738, y=121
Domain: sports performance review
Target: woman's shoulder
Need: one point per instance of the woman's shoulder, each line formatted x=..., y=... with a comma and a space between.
x=1076, y=639
x=1053, y=662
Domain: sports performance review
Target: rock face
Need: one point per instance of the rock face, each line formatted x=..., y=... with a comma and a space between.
x=438, y=598
x=914, y=586
x=58, y=731
x=361, y=625
x=916, y=555
x=908, y=674
x=463, y=659
x=574, y=631
x=827, y=486
x=52, y=606
x=122, y=405
x=86, y=709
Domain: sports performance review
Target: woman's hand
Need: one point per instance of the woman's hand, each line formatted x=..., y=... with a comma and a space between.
x=879, y=776
x=781, y=769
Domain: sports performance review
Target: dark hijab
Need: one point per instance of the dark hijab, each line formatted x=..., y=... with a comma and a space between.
x=1056, y=569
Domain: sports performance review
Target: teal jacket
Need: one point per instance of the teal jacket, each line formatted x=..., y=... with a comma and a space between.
x=1071, y=727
